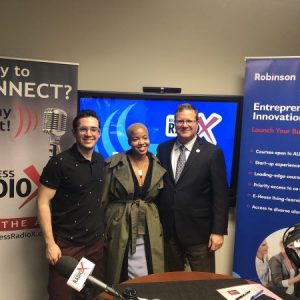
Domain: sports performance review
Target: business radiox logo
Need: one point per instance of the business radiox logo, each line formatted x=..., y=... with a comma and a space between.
x=14, y=187
x=22, y=190
x=205, y=126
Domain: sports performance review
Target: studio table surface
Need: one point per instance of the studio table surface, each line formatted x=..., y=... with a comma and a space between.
x=184, y=285
x=181, y=290
x=176, y=282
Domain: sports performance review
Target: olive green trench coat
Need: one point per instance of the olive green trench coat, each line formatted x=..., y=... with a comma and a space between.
x=121, y=217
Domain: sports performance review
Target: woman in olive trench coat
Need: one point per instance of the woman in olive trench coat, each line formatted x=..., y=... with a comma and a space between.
x=122, y=215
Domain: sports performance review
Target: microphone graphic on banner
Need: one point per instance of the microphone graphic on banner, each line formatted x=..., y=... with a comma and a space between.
x=54, y=123
x=78, y=274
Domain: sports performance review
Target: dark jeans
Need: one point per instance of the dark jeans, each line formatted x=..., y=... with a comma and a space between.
x=198, y=256
x=57, y=287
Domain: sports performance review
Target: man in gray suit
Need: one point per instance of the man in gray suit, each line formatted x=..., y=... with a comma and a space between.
x=194, y=203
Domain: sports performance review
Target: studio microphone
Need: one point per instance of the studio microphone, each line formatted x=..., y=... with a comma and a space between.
x=70, y=268
x=55, y=124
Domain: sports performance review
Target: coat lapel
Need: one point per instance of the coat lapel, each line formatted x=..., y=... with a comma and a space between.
x=157, y=173
x=122, y=172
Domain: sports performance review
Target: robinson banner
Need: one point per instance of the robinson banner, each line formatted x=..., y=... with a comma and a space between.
x=269, y=174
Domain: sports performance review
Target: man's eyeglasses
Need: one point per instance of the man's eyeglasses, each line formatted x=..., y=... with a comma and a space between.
x=85, y=130
x=188, y=122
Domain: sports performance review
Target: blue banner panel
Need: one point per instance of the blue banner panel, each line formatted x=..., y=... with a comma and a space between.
x=269, y=174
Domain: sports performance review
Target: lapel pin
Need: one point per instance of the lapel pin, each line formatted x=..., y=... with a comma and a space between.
x=197, y=150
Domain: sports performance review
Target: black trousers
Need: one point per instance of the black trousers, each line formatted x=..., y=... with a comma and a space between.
x=199, y=257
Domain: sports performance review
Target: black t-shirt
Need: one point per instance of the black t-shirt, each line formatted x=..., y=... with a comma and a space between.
x=77, y=214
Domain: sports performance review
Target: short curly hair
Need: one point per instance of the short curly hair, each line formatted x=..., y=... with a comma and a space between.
x=83, y=114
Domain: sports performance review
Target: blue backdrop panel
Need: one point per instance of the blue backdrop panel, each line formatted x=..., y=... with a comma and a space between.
x=269, y=185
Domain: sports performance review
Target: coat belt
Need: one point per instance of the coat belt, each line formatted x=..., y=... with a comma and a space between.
x=137, y=214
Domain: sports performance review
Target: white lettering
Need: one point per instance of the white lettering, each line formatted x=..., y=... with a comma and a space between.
x=274, y=77
x=3, y=71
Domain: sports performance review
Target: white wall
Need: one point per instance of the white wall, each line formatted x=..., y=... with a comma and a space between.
x=123, y=45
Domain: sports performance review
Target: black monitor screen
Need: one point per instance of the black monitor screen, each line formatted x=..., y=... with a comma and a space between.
x=219, y=118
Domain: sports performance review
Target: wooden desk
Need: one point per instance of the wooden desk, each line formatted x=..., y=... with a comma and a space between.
x=172, y=276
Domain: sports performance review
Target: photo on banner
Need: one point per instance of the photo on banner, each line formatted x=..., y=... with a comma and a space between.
x=37, y=105
x=268, y=188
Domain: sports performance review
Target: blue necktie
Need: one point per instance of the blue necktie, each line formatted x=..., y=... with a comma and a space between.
x=180, y=162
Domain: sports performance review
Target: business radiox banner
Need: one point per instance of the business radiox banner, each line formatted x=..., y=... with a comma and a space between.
x=269, y=174
x=37, y=104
